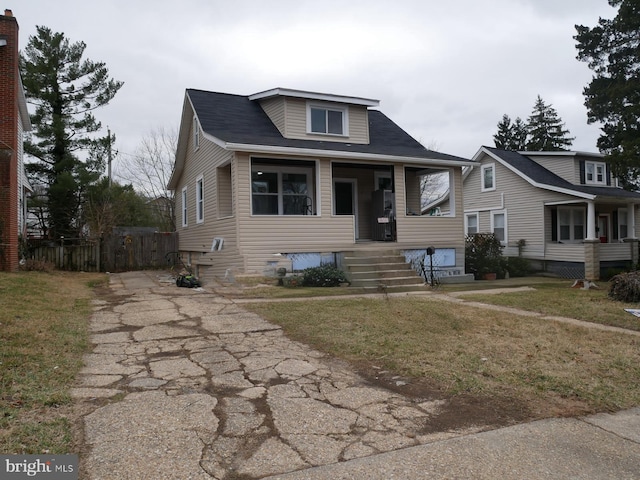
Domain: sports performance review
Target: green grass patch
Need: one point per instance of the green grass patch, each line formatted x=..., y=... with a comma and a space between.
x=43, y=335
x=469, y=350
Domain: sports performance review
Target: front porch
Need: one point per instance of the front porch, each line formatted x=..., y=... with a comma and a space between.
x=590, y=259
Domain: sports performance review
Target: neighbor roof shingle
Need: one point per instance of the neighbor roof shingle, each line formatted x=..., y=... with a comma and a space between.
x=540, y=175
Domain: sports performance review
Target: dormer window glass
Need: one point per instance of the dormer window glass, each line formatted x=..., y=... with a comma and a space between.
x=327, y=120
x=595, y=173
x=488, y=177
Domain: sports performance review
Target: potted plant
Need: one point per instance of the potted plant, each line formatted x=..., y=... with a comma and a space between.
x=483, y=256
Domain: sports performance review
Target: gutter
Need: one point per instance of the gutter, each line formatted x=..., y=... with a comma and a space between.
x=269, y=149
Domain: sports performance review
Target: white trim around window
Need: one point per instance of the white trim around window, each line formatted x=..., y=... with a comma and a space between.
x=488, y=177
x=200, y=199
x=595, y=173
x=471, y=223
x=282, y=190
x=184, y=206
x=499, y=225
x=327, y=119
x=572, y=224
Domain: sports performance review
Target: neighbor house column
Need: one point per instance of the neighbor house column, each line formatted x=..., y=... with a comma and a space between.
x=591, y=221
x=632, y=239
x=631, y=221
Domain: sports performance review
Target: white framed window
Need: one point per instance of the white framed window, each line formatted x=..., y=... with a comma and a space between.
x=327, y=119
x=571, y=224
x=595, y=173
x=196, y=133
x=281, y=190
x=499, y=225
x=470, y=223
x=623, y=229
x=488, y=177
x=184, y=206
x=200, y=199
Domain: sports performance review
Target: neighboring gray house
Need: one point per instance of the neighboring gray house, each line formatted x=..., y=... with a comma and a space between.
x=562, y=210
x=285, y=178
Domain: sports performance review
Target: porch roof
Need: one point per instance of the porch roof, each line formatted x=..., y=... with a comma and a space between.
x=238, y=120
x=541, y=177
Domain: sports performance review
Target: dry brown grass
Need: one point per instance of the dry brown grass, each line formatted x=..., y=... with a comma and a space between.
x=43, y=334
x=545, y=364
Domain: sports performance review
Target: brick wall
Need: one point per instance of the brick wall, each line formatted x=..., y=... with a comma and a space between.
x=9, y=117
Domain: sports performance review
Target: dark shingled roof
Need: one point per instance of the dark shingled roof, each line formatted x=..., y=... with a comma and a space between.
x=236, y=119
x=540, y=175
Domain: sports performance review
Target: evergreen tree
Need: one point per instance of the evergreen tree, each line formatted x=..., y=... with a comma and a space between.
x=109, y=204
x=612, y=51
x=519, y=134
x=65, y=90
x=502, y=139
x=511, y=136
x=545, y=130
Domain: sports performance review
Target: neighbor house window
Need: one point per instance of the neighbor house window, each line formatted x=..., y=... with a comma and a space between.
x=200, y=199
x=184, y=207
x=488, y=177
x=595, y=173
x=281, y=189
x=623, y=231
x=327, y=120
x=571, y=224
x=196, y=133
x=499, y=226
x=471, y=223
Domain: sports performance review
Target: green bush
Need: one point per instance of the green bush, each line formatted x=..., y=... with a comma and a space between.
x=483, y=254
x=625, y=287
x=292, y=281
x=518, y=267
x=323, y=276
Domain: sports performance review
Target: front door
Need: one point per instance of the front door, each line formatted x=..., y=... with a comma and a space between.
x=344, y=199
x=603, y=228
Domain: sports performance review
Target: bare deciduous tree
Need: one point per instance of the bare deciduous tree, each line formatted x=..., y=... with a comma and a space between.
x=149, y=170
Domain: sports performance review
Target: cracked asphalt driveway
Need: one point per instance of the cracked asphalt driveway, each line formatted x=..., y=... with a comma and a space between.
x=186, y=384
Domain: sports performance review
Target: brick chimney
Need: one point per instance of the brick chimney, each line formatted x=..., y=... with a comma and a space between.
x=9, y=137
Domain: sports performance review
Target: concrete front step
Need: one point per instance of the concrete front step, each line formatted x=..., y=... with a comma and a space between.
x=389, y=281
x=382, y=270
x=382, y=273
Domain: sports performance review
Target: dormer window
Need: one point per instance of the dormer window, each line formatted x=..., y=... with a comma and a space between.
x=328, y=120
x=595, y=173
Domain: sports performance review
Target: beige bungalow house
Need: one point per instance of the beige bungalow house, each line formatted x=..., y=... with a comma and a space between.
x=289, y=178
x=562, y=210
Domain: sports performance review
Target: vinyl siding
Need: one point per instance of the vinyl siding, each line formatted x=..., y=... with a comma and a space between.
x=264, y=236
x=523, y=203
x=198, y=237
x=296, y=123
x=424, y=230
x=275, y=109
x=565, y=167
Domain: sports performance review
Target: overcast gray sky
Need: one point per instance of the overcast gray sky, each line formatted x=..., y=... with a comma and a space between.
x=445, y=71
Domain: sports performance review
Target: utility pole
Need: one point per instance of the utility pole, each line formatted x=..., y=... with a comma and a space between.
x=109, y=156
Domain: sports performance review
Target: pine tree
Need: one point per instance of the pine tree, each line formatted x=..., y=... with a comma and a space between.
x=613, y=96
x=65, y=90
x=511, y=136
x=502, y=138
x=545, y=130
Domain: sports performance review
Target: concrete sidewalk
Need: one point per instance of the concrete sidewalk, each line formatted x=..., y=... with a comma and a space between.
x=185, y=384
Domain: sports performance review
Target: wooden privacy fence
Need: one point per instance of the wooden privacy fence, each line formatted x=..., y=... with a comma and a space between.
x=121, y=253
x=114, y=253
